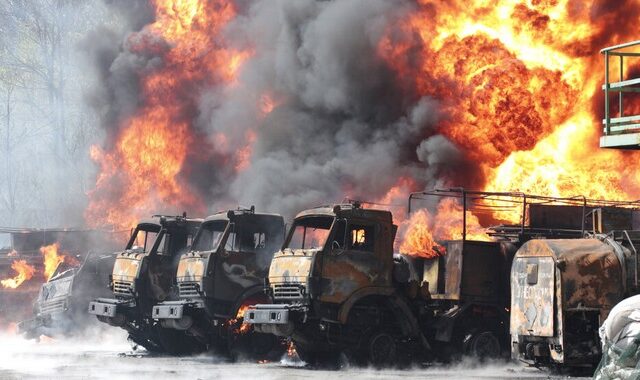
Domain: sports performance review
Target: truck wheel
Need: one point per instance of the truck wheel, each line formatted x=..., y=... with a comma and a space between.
x=255, y=346
x=318, y=359
x=382, y=349
x=484, y=345
x=176, y=342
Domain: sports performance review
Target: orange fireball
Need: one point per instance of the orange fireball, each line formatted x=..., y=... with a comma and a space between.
x=517, y=82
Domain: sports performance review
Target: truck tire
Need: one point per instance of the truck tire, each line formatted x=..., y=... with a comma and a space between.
x=176, y=342
x=255, y=346
x=484, y=345
x=318, y=359
x=381, y=349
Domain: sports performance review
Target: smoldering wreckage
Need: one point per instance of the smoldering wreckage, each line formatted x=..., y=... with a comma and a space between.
x=541, y=278
x=235, y=283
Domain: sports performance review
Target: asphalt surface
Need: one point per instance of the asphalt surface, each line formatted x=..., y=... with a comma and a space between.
x=111, y=357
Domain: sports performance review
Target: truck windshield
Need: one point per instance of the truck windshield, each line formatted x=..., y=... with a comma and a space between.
x=310, y=233
x=209, y=235
x=145, y=237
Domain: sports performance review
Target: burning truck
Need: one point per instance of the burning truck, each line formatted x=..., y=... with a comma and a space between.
x=144, y=275
x=47, y=255
x=60, y=308
x=222, y=274
x=336, y=285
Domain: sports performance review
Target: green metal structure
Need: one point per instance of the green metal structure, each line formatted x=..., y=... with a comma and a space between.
x=622, y=131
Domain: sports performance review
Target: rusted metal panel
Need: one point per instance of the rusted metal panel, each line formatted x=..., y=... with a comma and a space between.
x=344, y=273
x=590, y=272
x=532, y=296
x=291, y=266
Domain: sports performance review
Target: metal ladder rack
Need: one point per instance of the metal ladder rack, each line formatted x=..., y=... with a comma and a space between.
x=623, y=131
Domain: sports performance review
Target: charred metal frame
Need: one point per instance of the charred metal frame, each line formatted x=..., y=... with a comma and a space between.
x=621, y=131
x=514, y=198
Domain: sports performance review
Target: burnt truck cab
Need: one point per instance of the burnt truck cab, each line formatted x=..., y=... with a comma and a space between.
x=60, y=308
x=332, y=288
x=562, y=290
x=222, y=274
x=143, y=275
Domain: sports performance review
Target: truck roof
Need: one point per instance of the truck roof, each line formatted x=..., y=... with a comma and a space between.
x=224, y=215
x=168, y=220
x=348, y=210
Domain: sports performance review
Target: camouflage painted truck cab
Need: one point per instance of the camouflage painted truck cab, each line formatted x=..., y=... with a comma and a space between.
x=60, y=308
x=333, y=288
x=143, y=275
x=561, y=292
x=224, y=272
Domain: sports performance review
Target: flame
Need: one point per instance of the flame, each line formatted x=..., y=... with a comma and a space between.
x=423, y=230
x=518, y=82
x=243, y=328
x=145, y=167
x=24, y=272
x=244, y=154
x=52, y=259
x=291, y=350
x=418, y=240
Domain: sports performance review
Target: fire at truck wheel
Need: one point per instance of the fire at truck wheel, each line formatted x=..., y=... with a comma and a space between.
x=382, y=349
x=483, y=345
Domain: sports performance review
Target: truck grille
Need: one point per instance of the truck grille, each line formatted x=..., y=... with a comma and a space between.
x=188, y=289
x=52, y=307
x=288, y=291
x=123, y=288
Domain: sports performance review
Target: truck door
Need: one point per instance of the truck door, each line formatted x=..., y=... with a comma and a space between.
x=241, y=265
x=351, y=262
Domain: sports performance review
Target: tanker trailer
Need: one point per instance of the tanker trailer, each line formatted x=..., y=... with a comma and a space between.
x=561, y=292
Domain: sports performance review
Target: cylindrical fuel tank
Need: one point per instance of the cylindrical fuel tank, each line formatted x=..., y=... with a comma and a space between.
x=571, y=273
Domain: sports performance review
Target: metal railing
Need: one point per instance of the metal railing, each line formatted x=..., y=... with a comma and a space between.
x=518, y=204
x=620, y=124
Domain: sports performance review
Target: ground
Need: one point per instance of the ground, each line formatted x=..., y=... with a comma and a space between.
x=111, y=357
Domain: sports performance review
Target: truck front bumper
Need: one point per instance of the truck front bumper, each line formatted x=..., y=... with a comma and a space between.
x=175, y=309
x=274, y=319
x=267, y=314
x=108, y=307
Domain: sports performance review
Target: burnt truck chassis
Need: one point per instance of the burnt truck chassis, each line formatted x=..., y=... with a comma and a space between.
x=60, y=308
x=454, y=310
x=143, y=276
x=223, y=273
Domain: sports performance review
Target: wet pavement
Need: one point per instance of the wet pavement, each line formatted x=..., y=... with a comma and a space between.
x=111, y=357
